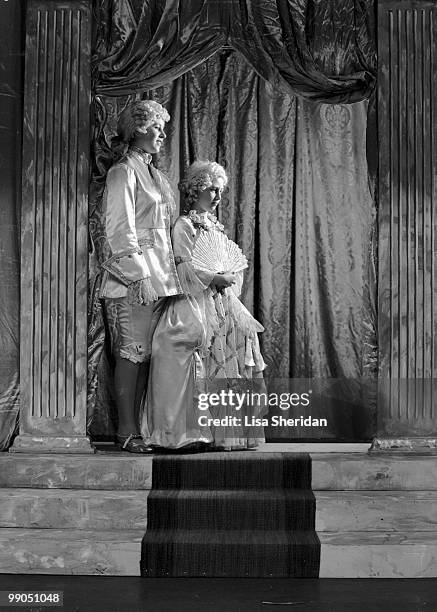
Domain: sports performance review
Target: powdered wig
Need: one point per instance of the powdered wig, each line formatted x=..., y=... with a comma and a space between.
x=198, y=177
x=138, y=116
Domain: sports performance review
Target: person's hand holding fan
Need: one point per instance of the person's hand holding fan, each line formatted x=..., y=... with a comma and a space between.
x=215, y=252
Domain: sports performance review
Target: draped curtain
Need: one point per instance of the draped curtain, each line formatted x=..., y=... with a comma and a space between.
x=11, y=46
x=321, y=50
x=271, y=107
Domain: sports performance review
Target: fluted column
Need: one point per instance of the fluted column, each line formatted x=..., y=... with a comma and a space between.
x=407, y=124
x=54, y=250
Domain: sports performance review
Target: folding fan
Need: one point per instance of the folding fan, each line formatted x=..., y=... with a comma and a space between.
x=215, y=252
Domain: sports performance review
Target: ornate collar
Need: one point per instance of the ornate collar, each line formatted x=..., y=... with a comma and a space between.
x=206, y=221
x=145, y=157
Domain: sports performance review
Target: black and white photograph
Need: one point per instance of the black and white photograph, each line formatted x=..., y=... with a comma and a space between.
x=218, y=314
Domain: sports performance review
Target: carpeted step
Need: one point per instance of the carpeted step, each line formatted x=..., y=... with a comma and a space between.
x=232, y=470
x=243, y=553
x=231, y=514
x=267, y=509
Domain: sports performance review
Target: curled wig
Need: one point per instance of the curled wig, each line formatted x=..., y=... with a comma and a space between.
x=138, y=116
x=198, y=177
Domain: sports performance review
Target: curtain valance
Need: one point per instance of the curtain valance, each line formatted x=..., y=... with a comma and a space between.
x=320, y=50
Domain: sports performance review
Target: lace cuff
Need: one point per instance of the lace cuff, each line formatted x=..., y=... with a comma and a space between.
x=193, y=281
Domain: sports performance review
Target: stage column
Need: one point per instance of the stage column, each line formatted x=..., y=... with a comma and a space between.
x=54, y=230
x=407, y=122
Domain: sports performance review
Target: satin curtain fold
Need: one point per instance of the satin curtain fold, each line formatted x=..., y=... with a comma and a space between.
x=298, y=204
x=11, y=16
x=141, y=45
x=320, y=50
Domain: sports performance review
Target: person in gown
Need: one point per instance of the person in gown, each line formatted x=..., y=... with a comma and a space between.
x=139, y=267
x=203, y=337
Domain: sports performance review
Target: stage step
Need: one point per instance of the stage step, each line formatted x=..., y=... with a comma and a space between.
x=265, y=509
x=363, y=554
x=73, y=509
x=121, y=471
x=70, y=551
x=112, y=472
x=117, y=553
x=348, y=511
x=344, y=511
x=233, y=470
x=375, y=515
x=337, y=472
x=219, y=553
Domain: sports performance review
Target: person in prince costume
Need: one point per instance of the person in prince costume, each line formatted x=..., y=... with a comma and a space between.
x=139, y=270
x=202, y=336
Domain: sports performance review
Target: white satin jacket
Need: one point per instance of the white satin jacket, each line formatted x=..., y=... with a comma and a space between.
x=137, y=204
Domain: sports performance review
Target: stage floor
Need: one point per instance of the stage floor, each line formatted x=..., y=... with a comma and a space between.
x=118, y=594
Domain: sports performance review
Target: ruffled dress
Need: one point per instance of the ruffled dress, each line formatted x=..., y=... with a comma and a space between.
x=204, y=341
